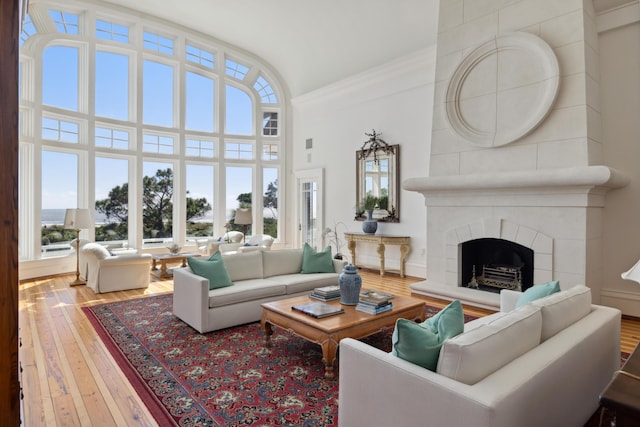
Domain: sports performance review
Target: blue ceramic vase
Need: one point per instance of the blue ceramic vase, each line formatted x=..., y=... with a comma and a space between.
x=370, y=225
x=350, y=285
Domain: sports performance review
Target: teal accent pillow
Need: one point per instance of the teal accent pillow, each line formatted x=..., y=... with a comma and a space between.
x=212, y=269
x=538, y=291
x=420, y=343
x=316, y=262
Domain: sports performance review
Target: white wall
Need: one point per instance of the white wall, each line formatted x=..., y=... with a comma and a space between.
x=620, y=82
x=395, y=99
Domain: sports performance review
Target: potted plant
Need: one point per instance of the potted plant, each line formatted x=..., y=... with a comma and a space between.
x=334, y=238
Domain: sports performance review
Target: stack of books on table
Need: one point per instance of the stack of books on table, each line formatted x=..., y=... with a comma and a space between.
x=374, y=302
x=326, y=293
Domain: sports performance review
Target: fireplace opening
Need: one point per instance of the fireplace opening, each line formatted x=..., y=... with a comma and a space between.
x=495, y=264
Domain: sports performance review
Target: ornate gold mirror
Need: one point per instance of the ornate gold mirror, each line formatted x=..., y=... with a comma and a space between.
x=378, y=180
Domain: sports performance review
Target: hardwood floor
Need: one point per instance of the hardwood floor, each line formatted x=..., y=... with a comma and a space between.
x=70, y=379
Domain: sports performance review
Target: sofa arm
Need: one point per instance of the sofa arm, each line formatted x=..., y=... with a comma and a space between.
x=508, y=300
x=379, y=389
x=191, y=298
x=125, y=259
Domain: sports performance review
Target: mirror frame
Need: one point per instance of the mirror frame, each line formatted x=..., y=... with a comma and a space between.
x=392, y=214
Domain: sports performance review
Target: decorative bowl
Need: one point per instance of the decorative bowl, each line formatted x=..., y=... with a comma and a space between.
x=174, y=248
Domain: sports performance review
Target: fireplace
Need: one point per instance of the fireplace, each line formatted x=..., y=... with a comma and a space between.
x=494, y=264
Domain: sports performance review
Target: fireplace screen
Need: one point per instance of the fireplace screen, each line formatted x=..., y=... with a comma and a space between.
x=495, y=264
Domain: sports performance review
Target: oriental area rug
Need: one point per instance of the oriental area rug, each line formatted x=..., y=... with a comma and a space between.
x=222, y=378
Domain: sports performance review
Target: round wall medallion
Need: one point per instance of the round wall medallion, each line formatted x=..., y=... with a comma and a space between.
x=503, y=89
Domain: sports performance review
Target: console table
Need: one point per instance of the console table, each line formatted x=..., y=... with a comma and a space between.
x=381, y=240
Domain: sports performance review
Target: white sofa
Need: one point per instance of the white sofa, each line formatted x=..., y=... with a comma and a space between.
x=109, y=273
x=258, y=277
x=513, y=368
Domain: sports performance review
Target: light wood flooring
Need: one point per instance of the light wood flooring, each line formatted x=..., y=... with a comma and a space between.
x=70, y=379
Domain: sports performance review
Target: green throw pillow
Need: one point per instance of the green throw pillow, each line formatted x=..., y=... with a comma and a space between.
x=420, y=343
x=212, y=269
x=538, y=291
x=316, y=262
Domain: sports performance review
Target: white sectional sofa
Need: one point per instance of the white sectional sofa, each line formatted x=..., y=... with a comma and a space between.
x=258, y=277
x=543, y=364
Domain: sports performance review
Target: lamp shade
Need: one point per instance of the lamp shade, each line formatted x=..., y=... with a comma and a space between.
x=243, y=216
x=633, y=273
x=77, y=219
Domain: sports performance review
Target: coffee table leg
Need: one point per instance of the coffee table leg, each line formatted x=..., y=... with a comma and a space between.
x=329, y=350
x=268, y=331
x=163, y=269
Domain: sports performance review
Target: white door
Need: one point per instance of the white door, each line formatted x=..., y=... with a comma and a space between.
x=309, y=210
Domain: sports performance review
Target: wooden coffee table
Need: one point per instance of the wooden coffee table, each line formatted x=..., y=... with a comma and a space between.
x=622, y=395
x=164, y=259
x=328, y=331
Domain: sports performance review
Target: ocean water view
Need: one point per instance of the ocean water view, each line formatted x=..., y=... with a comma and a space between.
x=56, y=217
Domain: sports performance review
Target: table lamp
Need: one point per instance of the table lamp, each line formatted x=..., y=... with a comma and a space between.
x=243, y=218
x=77, y=219
x=633, y=273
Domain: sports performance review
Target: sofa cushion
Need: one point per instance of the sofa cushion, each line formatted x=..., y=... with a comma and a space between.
x=95, y=249
x=282, y=261
x=471, y=356
x=316, y=262
x=538, y=291
x=246, y=290
x=420, y=343
x=212, y=269
x=243, y=266
x=562, y=309
x=296, y=283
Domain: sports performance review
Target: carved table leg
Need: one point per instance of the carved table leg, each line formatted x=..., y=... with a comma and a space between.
x=381, y=255
x=268, y=331
x=404, y=252
x=352, y=249
x=329, y=350
x=163, y=268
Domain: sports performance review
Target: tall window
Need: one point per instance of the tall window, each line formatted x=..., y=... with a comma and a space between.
x=239, y=194
x=112, y=85
x=112, y=199
x=270, y=201
x=199, y=201
x=150, y=115
x=59, y=192
x=60, y=77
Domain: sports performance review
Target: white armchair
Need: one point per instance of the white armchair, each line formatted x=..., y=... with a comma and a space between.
x=108, y=273
x=230, y=242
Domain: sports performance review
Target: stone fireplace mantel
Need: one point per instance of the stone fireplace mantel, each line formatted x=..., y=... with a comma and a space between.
x=589, y=178
x=554, y=212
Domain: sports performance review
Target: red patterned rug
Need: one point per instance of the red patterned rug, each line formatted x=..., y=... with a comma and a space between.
x=223, y=378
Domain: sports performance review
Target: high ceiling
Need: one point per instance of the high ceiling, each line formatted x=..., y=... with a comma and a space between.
x=310, y=43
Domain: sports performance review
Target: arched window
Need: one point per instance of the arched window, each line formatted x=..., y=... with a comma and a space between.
x=162, y=132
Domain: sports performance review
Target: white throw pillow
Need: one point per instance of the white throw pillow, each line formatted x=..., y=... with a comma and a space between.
x=282, y=261
x=563, y=308
x=473, y=355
